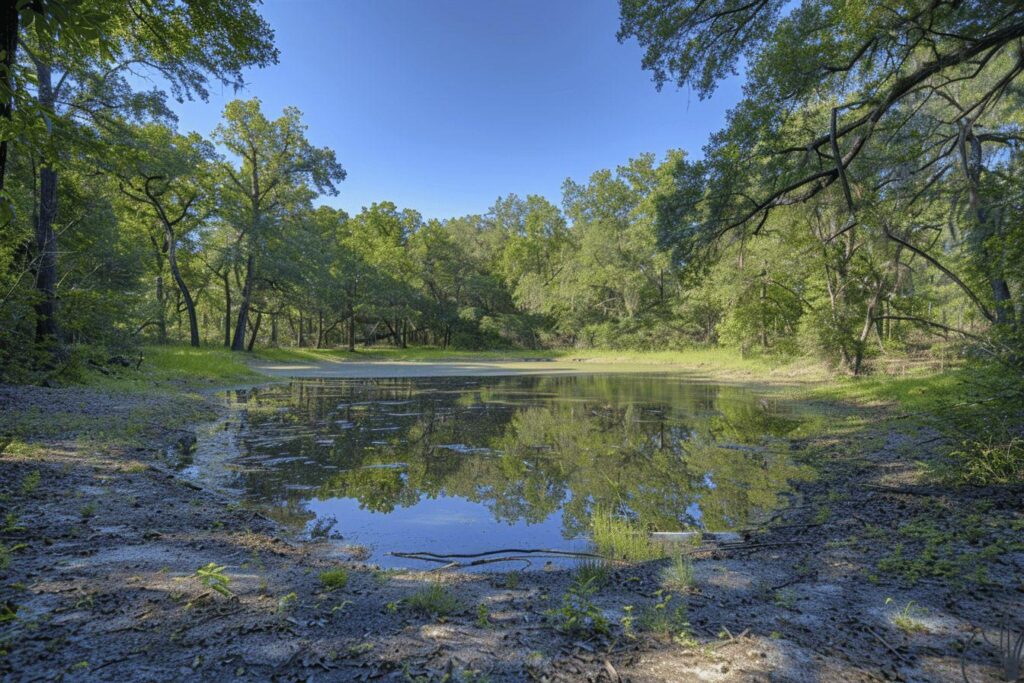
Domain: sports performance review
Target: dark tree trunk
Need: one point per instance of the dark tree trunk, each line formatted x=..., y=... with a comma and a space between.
x=255, y=330
x=351, y=329
x=46, y=239
x=238, y=342
x=9, y=45
x=227, y=309
x=273, y=330
x=190, y=306
x=46, y=246
x=161, y=320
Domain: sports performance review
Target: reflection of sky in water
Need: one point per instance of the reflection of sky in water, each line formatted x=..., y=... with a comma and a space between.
x=452, y=525
x=468, y=465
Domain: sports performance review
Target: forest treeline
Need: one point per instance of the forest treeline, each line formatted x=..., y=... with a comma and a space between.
x=864, y=196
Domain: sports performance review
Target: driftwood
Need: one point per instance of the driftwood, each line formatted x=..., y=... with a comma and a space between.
x=525, y=555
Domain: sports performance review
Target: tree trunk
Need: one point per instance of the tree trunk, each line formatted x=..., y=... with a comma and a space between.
x=9, y=45
x=46, y=239
x=971, y=156
x=351, y=329
x=273, y=330
x=255, y=330
x=46, y=270
x=227, y=309
x=238, y=343
x=161, y=304
x=190, y=306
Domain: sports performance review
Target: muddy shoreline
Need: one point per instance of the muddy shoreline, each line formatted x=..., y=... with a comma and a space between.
x=102, y=553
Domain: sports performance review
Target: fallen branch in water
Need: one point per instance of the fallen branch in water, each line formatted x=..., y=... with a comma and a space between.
x=503, y=551
x=452, y=560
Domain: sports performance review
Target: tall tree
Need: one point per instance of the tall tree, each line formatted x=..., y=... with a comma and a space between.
x=79, y=60
x=279, y=171
x=846, y=101
x=168, y=174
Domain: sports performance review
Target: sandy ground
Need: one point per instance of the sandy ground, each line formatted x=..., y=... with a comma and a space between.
x=392, y=369
x=101, y=546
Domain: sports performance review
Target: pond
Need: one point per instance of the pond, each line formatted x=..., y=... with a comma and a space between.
x=473, y=464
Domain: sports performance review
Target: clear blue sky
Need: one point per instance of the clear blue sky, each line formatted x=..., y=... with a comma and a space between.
x=444, y=105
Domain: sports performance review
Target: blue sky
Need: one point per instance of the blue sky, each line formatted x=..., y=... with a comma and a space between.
x=444, y=105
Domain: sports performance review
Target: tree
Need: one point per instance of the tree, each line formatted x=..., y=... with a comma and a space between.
x=852, y=103
x=279, y=171
x=167, y=173
x=79, y=57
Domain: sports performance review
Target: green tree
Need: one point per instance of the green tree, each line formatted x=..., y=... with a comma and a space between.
x=279, y=171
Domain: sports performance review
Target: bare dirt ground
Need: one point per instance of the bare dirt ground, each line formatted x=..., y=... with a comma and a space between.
x=868, y=576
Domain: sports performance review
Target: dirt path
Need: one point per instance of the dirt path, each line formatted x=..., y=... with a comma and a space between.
x=102, y=544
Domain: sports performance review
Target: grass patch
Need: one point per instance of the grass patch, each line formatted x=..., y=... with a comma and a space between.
x=591, y=570
x=667, y=618
x=202, y=365
x=334, y=579
x=434, y=600
x=678, y=576
x=906, y=618
x=985, y=461
x=718, y=360
x=619, y=539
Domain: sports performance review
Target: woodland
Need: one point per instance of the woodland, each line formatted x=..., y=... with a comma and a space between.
x=863, y=199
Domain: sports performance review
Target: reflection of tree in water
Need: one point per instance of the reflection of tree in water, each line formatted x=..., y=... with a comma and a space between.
x=658, y=449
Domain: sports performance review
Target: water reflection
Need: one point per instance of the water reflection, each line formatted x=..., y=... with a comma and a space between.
x=470, y=464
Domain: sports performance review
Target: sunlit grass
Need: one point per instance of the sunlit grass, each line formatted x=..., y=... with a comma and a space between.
x=619, y=539
x=334, y=579
x=594, y=571
x=202, y=364
x=678, y=576
x=435, y=600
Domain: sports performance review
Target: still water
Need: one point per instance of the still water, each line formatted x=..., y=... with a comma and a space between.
x=470, y=464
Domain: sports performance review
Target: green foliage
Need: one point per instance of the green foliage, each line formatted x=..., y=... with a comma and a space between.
x=990, y=460
x=618, y=538
x=678, y=576
x=435, y=601
x=667, y=618
x=334, y=579
x=213, y=577
x=31, y=482
x=592, y=571
x=578, y=615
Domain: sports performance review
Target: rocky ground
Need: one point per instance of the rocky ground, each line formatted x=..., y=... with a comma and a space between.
x=869, y=575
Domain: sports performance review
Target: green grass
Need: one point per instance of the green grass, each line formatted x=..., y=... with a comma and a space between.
x=591, y=570
x=678, y=576
x=434, y=600
x=617, y=538
x=334, y=579
x=205, y=364
x=922, y=392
